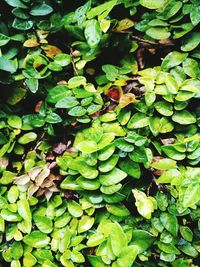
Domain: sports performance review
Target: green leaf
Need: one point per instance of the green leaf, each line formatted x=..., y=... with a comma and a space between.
x=74, y=209
x=87, y=146
x=27, y=138
x=10, y=216
x=118, y=210
x=191, y=196
x=101, y=10
x=53, y=118
x=186, y=233
x=19, y=13
x=95, y=239
x=153, y=4
x=127, y=256
x=58, y=93
x=16, y=3
x=191, y=41
x=195, y=15
x=123, y=145
x=22, y=25
x=183, y=117
x=164, y=108
x=96, y=261
x=112, y=177
x=139, y=120
x=7, y=65
x=171, y=84
x=77, y=111
x=41, y=10
x=170, y=222
x=86, y=171
x=15, y=121
x=77, y=257
x=32, y=84
x=111, y=71
x=189, y=250
x=85, y=223
x=110, y=190
x=191, y=67
x=142, y=240
x=43, y=223
x=67, y=102
x=87, y=184
x=62, y=59
x=131, y=168
x=92, y=32
x=168, y=248
x=139, y=155
x=4, y=39
x=158, y=33
x=23, y=209
x=168, y=176
x=173, y=59
x=164, y=164
x=144, y=204
x=171, y=152
x=106, y=152
x=76, y=81
x=109, y=164
x=36, y=239
x=118, y=239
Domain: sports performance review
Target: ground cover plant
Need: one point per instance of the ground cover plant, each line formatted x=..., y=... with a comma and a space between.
x=99, y=133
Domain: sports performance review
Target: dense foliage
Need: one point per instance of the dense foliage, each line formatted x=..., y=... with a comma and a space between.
x=99, y=133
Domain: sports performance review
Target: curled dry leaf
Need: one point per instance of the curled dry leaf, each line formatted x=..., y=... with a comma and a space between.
x=38, y=180
x=114, y=94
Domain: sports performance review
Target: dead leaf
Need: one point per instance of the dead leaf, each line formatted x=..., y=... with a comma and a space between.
x=33, y=173
x=59, y=148
x=41, y=176
x=31, y=190
x=62, y=82
x=114, y=94
x=38, y=106
x=126, y=99
x=168, y=141
x=3, y=163
x=51, y=50
x=22, y=180
x=31, y=43
x=42, y=34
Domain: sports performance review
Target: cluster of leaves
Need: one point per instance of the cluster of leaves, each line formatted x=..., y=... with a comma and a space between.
x=99, y=133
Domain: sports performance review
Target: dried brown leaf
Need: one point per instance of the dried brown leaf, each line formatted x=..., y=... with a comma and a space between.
x=31, y=190
x=22, y=180
x=33, y=173
x=59, y=148
x=41, y=176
